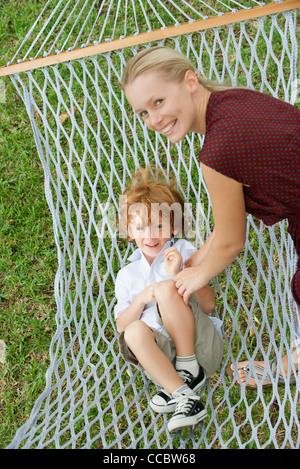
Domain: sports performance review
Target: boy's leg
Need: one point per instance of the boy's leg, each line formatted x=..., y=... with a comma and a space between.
x=177, y=317
x=141, y=341
x=188, y=408
x=178, y=320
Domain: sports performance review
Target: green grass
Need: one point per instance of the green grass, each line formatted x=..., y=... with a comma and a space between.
x=28, y=262
x=27, y=251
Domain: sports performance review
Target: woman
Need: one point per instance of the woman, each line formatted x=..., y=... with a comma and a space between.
x=249, y=160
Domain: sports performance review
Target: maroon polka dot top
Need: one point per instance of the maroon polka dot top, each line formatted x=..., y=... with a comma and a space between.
x=255, y=139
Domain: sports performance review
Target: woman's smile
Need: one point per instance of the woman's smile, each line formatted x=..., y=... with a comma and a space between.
x=167, y=107
x=168, y=128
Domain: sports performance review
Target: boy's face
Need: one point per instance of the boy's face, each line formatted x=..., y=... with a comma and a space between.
x=150, y=237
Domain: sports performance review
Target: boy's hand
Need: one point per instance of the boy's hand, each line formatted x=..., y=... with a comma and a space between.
x=173, y=261
x=148, y=294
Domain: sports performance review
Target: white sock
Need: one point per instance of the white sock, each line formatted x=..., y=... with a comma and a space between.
x=188, y=363
x=182, y=390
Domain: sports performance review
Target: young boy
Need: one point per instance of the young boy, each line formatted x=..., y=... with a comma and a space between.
x=176, y=344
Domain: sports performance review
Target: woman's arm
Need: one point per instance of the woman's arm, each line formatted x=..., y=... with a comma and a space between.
x=206, y=299
x=228, y=205
x=198, y=256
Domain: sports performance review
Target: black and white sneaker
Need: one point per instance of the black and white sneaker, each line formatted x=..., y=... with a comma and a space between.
x=189, y=412
x=163, y=402
x=193, y=382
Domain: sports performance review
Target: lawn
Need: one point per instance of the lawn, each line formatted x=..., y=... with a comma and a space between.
x=28, y=256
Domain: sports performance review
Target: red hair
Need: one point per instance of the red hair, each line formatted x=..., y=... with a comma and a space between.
x=150, y=189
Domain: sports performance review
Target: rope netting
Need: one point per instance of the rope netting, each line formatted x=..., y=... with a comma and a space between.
x=90, y=142
x=66, y=24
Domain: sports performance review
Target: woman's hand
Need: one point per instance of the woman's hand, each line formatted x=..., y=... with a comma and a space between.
x=173, y=261
x=188, y=281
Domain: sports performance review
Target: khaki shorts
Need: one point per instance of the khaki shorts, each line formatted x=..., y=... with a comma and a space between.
x=209, y=346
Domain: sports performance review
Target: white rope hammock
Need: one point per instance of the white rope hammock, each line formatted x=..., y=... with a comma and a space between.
x=90, y=142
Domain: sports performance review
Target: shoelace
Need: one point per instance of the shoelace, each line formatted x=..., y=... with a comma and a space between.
x=186, y=376
x=185, y=403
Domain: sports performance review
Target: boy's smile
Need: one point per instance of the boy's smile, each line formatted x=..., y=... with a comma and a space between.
x=150, y=237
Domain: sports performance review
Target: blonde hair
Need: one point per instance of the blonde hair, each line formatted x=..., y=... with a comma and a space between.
x=171, y=64
x=150, y=188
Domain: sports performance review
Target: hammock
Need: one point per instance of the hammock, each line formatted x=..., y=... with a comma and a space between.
x=90, y=142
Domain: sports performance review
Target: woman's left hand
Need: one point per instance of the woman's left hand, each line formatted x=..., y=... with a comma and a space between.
x=188, y=281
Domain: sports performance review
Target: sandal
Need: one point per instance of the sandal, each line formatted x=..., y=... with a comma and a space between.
x=257, y=372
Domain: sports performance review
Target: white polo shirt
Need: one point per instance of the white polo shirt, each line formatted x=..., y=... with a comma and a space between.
x=137, y=275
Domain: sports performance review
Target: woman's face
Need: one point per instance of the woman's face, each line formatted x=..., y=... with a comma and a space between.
x=167, y=107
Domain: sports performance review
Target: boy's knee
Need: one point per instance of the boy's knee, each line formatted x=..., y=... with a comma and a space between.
x=165, y=290
x=135, y=332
